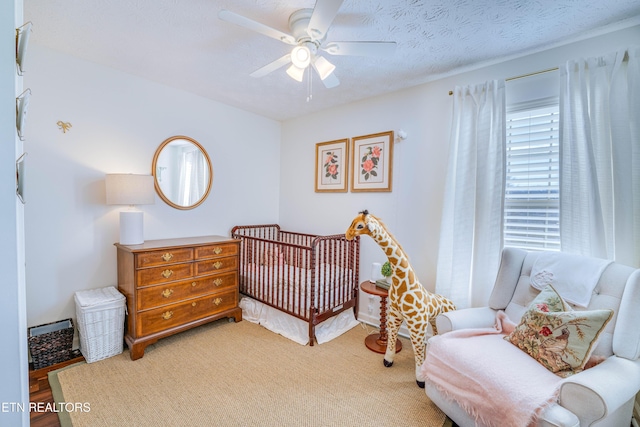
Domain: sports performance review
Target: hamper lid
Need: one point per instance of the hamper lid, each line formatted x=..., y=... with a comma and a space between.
x=93, y=297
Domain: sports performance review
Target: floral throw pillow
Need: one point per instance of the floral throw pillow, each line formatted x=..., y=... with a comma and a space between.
x=558, y=337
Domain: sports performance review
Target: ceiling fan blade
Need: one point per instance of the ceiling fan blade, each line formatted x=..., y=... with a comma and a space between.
x=280, y=62
x=252, y=25
x=331, y=81
x=361, y=48
x=322, y=17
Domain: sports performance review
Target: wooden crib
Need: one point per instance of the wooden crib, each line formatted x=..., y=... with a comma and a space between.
x=306, y=276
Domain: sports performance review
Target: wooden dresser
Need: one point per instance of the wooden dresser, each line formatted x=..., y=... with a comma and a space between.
x=173, y=285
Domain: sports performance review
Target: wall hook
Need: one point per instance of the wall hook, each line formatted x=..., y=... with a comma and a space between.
x=64, y=126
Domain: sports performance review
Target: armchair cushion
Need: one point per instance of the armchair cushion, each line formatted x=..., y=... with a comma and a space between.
x=558, y=337
x=480, y=317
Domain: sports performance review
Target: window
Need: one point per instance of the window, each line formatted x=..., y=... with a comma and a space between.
x=532, y=203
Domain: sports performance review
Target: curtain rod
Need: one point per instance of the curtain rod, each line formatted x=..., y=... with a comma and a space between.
x=535, y=73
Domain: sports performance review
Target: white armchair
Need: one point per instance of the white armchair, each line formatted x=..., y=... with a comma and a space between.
x=603, y=395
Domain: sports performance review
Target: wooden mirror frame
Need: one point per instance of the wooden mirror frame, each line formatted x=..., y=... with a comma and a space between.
x=155, y=177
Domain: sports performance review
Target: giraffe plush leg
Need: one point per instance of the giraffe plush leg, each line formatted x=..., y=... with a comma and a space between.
x=394, y=320
x=419, y=342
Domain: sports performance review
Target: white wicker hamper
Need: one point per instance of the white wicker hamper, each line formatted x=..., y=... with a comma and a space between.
x=100, y=322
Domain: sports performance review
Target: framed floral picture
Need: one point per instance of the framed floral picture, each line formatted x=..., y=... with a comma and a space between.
x=332, y=165
x=372, y=162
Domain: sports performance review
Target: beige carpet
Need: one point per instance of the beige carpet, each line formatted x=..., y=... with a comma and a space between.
x=240, y=374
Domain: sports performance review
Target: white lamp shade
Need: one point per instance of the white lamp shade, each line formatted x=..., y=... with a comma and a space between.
x=129, y=189
x=323, y=67
x=295, y=72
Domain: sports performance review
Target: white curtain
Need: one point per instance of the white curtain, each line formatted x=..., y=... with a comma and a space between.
x=472, y=215
x=193, y=177
x=600, y=157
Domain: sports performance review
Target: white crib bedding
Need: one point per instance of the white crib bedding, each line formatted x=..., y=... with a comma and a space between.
x=293, y=328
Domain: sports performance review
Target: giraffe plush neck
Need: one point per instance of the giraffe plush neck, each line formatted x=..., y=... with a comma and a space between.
x=374, y=228
x=408, y=300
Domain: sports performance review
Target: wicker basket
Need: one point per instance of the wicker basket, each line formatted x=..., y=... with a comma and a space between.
x=100, y=318
x=51, y=343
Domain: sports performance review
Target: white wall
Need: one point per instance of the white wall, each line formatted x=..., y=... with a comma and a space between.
x=118, y=121
x=412, y=212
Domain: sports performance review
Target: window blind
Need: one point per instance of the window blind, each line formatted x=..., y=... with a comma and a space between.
x=532, y=203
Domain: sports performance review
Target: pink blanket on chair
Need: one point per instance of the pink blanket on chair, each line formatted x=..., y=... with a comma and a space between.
x=493, y=380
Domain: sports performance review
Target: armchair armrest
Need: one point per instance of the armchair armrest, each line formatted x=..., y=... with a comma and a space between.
x=468, y=318
x=599, y=391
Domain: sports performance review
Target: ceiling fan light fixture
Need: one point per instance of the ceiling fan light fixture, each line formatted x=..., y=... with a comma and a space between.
x=295, y=72
x=323, y=67
x=308, y=30
x=301, y=56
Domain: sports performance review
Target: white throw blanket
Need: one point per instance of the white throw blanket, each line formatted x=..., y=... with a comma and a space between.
x=574, y=277
x=494, y=381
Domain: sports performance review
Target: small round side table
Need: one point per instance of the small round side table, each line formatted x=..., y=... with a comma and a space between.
x=378, y=342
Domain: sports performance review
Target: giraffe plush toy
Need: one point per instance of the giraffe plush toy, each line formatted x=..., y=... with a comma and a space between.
x=408, y=300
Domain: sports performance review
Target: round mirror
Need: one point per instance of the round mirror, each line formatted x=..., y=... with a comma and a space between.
x=182, y=172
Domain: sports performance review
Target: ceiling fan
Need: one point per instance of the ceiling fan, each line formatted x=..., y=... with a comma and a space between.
x=309, y=29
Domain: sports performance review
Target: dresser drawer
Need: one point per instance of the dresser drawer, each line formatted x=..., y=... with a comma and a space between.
x=216, y=265
x=171, y=293
x=167, y=256
x=160, y=319
x=214, y=251
x=168, y=273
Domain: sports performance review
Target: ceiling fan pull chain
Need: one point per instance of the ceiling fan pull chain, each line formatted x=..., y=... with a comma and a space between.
x=310, y=86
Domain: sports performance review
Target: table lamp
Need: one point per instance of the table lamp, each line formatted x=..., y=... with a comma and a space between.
x=130, y=189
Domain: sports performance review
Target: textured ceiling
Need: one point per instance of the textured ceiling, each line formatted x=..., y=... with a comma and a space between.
x=182, y=43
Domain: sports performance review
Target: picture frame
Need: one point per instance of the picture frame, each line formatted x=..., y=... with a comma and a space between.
x=332, y=166
x=372, y=162
x=22, y=105
x=22, y=42
x=20, y=171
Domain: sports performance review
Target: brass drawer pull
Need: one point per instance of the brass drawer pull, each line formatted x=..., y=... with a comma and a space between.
x=217, y=265
x=193, y=284
x=167, y=293
x=217, y=251
x=193, y=304
x=167, y=315
x=217, y=301
x=167, y=273
x=218, y=282
x=167, y=256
